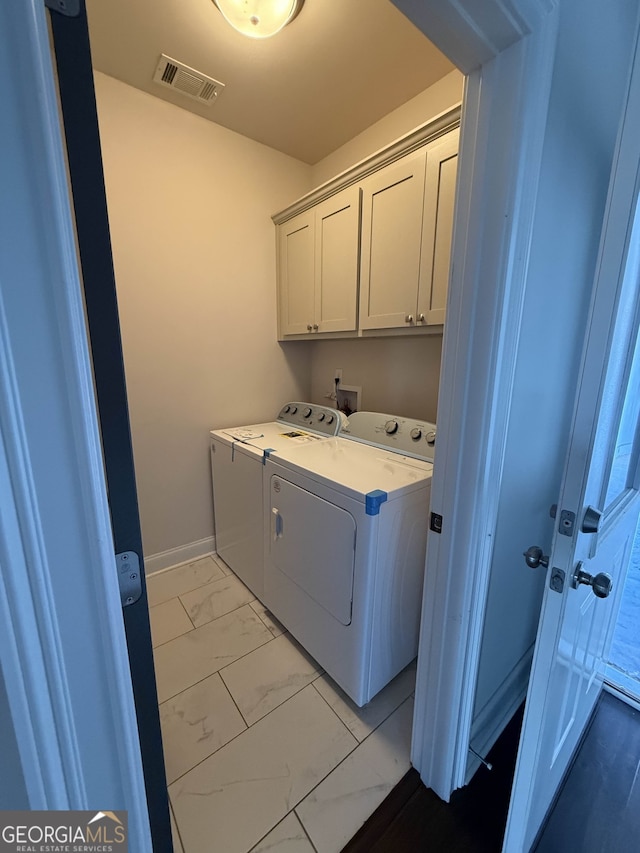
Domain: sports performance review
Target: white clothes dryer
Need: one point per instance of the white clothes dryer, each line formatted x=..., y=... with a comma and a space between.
x=237, y=458
x=345, y=540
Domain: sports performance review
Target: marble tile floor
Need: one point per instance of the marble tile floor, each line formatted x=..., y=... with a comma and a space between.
x=263, y=751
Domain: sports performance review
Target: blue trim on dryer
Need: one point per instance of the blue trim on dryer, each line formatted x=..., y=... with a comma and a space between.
x=372, y=501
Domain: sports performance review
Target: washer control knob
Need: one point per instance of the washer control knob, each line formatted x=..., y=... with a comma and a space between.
x=321, y=416
x=431, y=438
x=287, y=409
x=307, y=412
x=391, y=427
x=416, y=434
x=294, y=409
x=330, y=419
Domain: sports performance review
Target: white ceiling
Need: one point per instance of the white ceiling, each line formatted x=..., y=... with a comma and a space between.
x=335, y=70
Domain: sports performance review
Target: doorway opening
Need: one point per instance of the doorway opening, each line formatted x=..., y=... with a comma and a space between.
x=623, y=670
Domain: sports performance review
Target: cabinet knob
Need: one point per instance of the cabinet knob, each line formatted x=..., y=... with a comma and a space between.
x=308, y=327
x=315, y=327
x=408, y=318
x=420, y=318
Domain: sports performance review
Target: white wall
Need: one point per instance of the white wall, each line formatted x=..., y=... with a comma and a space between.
x=194, y=254
x=397, y=375
x=585, y=106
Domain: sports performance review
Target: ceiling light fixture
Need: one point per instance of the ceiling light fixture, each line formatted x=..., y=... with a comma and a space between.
x=259, y=19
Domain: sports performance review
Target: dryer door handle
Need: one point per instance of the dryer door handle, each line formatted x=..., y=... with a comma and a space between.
x=276, y=524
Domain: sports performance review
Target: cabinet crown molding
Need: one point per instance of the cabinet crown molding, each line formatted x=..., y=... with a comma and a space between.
x=427, y=132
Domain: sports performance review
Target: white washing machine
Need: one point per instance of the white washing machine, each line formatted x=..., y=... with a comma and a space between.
x=237, y=458
x=345, y=539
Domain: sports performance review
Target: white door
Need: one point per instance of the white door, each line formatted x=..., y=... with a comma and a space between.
x=601, y=471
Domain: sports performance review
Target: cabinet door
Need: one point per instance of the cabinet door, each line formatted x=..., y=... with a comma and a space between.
x=392, y=204
x=440, y=190
x=336, y=261
x=296, y=274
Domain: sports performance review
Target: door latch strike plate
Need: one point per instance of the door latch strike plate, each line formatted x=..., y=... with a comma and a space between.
x=129, y=580
x=556, y=581
x=567, y=522
x=436, y=523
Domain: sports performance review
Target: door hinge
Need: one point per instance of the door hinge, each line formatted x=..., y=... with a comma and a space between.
x=129, y=580
x=69, y=8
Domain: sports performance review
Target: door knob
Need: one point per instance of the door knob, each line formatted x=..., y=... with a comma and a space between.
x=534, y=557
x=308, y=327
x=315, y=327
x=601, y=584
x=408, y=318
x=421, y=318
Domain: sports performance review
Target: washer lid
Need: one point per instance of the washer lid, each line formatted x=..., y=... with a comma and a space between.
x=254, y=439
x=358, y=469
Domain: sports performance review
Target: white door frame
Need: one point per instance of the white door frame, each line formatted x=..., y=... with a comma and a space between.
x=507, y=51
x=63, y=654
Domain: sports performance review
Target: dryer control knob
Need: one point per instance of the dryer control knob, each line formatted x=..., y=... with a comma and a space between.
x=330, y=419
x=321, y=416
x=287, y=409
x=294, y=409
x=307, y=412
x=416, y=434
x=391, y=427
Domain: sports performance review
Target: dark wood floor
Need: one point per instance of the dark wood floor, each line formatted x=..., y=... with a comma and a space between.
x=597, y=810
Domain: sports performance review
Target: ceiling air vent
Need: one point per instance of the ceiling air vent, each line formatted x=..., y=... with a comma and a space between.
x=187, y=80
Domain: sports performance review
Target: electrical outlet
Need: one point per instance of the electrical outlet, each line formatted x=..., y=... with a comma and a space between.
x=337, y=374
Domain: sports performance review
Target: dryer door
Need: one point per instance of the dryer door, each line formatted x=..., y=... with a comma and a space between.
x=312, y=543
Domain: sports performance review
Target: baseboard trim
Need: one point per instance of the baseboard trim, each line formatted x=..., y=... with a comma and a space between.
x=491, y=721
x=183, y=554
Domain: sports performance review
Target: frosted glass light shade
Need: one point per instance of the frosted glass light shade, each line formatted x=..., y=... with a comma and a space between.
x=259, y=19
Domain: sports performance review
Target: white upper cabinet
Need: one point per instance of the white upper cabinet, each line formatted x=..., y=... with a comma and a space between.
x=437, y=228
x=368, y=252
x=296, y=274
x=318, y=267
x=407, y=223
x=391, y=236
x=336, y=262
